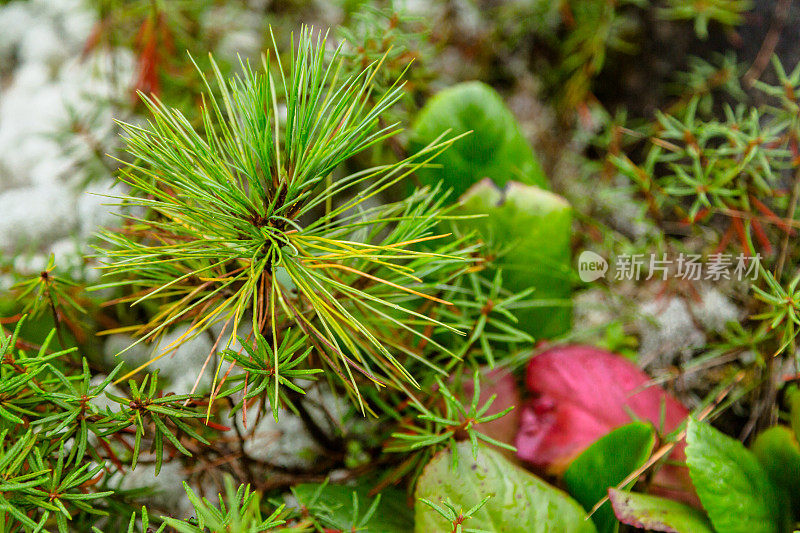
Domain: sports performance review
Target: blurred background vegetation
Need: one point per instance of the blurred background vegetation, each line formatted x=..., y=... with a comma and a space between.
x=621, y=101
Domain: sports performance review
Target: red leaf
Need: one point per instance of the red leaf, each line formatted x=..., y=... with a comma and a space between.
x=152, y=41
x=580, y=394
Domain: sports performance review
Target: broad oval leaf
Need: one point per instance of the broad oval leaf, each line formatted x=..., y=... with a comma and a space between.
x=778, y=452
x=580, y=394
x=529, y=231
x=520, y=502
x=733, y=488
x=494, y=149
x=605, y=464
x=657, y=514
x=793, y=397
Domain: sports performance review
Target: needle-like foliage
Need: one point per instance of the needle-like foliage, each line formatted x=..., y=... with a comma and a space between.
x=58, y=442
x=259, y=372
x=250, y=220
x=455, y=515
x=455, y=422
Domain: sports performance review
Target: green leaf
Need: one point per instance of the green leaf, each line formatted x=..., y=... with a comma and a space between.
x=334, y=503
x=520, y=502
x=528, y=229
x=657, y=514
x=793, y=397
x=495, y=149
x=733, y=488
x=604, y=464
x=779, y=453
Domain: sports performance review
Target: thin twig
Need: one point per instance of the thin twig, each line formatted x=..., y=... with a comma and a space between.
x=789, y=219
x=781, y=14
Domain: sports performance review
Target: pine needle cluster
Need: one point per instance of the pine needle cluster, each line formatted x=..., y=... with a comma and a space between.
x=247, y=223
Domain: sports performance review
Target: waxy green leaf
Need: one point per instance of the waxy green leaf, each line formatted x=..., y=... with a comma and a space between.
x=734, y=489
x=604, y=464
x=778, y=452
x=528, y=231
x=495, y=148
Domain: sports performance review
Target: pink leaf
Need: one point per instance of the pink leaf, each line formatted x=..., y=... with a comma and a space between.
x=580, y=393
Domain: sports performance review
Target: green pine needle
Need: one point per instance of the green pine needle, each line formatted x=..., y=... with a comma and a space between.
x=249, y=219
